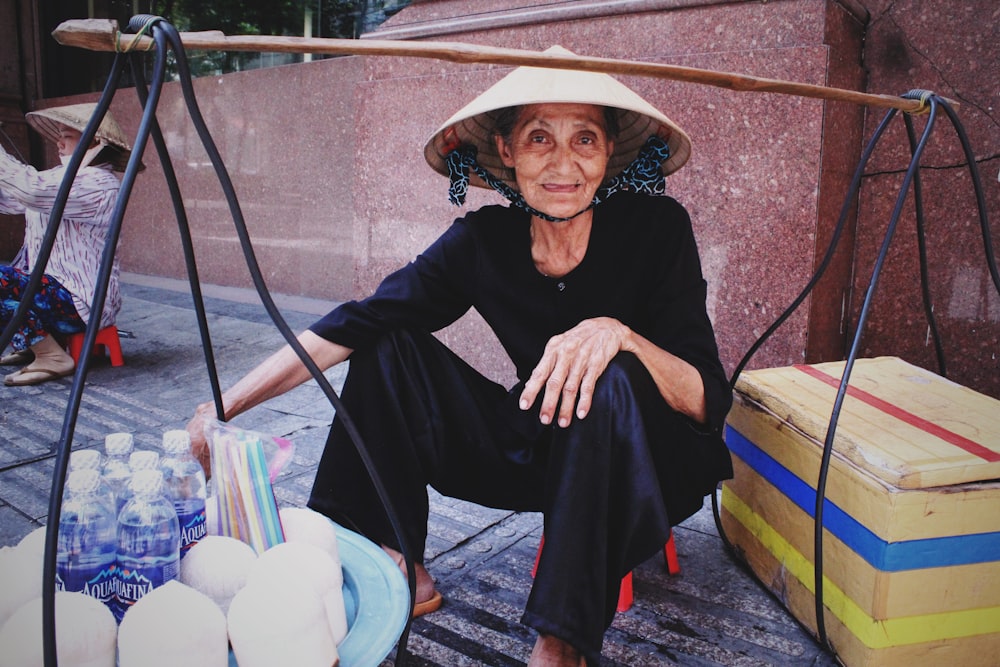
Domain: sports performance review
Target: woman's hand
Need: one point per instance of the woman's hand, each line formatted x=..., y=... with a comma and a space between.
x=570, y=366
x=196, y=429
x=277, y=374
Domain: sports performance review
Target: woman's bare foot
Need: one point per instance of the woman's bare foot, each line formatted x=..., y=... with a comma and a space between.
x=425, y=584
x=51, y=362
x=551, y=651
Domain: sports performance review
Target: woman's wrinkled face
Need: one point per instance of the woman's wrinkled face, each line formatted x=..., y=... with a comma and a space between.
x=559, y=153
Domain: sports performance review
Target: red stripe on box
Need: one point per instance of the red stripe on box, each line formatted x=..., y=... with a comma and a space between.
x=950, y=437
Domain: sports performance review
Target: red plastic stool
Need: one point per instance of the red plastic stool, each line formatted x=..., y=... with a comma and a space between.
x=625, y=596
x=107, y=338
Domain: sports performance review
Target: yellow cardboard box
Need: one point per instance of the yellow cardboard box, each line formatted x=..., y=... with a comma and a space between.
x=911, y=515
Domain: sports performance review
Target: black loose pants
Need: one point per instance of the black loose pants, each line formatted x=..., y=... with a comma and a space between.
x=607, y=485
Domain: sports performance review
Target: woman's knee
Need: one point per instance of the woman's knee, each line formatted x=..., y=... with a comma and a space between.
x=625, y=379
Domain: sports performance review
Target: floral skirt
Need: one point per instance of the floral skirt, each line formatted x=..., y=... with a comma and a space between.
x=51, y=311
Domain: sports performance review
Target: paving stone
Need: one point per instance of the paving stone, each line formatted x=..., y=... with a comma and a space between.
x=14, y=525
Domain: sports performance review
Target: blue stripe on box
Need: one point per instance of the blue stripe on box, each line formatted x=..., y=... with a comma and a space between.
x=886, y=556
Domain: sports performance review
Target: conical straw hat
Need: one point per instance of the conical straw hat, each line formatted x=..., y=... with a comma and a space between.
x=76, y=116
x=637, y=118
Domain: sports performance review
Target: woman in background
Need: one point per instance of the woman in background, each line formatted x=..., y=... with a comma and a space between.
x=62, y=304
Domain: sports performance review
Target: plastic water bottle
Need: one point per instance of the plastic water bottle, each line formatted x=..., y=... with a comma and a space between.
x=86, y=550
x=85, y=459
x=90, y=459
x=184, y=484
x=140, y=459
x=117, y=448
x=148, y=541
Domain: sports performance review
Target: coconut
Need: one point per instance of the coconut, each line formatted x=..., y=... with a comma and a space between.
x=34, y=542
x=85, y=633
x=301, y=524
x=20, y=576
x=302, y=562
x=218, y=566
x=173, y=625
x=280, y=622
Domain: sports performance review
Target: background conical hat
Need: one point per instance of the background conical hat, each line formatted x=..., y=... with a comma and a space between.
x=637, y=118
x=76, y=116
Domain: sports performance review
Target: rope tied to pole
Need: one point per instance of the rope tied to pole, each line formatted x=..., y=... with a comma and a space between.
x=133, y=43
x=922, y=96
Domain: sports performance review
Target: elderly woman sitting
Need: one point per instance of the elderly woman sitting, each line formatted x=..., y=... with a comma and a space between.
x=62, y=304
x=592, y=283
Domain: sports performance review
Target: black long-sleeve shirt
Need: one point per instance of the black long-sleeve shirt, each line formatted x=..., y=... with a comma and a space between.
x=641, y=268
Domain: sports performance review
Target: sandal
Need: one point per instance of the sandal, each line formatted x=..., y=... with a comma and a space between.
x=427, y=606
x=17, y=358
x=30, y=376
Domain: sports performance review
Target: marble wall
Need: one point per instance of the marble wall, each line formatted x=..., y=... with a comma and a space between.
x=952, y=49
x=327, y=161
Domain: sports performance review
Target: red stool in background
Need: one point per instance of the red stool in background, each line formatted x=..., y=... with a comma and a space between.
x=106, y=338
x=625, y=596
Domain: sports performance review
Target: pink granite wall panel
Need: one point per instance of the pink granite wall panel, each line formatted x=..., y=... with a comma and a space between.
x=286, y=135
x=954, y=50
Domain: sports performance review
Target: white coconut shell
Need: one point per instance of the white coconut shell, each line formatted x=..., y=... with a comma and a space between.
x=85, y=633
x=173, y=625
x=273, y=622
x=308, y=564
x=20, y=577
x=218, y=567
x=301, y=524
x=34, y=542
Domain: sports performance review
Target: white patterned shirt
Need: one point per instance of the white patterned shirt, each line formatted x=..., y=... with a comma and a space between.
x=76, y=255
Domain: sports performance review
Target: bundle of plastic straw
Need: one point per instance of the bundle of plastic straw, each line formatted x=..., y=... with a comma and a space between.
x=246, y=506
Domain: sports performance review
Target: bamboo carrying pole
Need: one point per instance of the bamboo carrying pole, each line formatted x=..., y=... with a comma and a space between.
x=104, y=35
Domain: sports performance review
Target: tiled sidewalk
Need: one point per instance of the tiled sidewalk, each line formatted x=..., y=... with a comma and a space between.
x=712, y=613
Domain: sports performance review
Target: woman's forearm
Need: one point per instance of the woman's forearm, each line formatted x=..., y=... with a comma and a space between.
x=279, y=373
x=679, y=382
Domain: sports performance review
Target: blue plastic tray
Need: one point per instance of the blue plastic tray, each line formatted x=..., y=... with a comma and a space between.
x=376, y=599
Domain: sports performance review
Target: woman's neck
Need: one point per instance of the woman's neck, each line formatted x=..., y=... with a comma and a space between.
x=558, y=247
